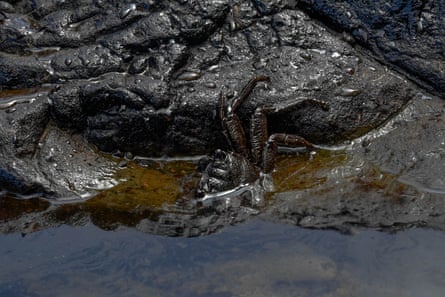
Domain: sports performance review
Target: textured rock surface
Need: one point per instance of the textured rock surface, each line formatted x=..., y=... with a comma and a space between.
x=391, y=179
x=408, y=35
x=146, y=77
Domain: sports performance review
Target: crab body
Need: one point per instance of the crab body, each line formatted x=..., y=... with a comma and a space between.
x=248, y=159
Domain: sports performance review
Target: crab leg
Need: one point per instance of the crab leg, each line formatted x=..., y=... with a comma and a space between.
x=271, y=147
x=233, y=129
x=259, y=133
x=245, y=92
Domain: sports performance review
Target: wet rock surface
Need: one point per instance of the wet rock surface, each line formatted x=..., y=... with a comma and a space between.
x=145, y=77
x=408, y=35
x=391, y=179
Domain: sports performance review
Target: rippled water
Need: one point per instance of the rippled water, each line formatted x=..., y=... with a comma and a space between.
x=252, y=259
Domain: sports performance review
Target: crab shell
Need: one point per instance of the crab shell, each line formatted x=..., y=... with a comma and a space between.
x=224, y=171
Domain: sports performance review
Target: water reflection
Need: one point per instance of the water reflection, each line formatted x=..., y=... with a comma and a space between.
x=252, y=259
x=157, y=198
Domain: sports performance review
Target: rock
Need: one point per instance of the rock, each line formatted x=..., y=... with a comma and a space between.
x=146, y=77
x=406, y=35
x=172, y=115
x=388, y=180
x=40, y=159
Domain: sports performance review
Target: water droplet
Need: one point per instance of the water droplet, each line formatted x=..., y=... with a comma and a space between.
x=420, y=25
x=305, y=55
x=348, y=92
x=129, y=156
x=68, y=61
x=126, y=11
x=211, y=85
x=232, y=24
x=350, y=70
x=189, y=75
x=258, y=65
x=213, y=68
x=336, y=55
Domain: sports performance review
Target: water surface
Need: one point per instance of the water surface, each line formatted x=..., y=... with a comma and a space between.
x=253, y=259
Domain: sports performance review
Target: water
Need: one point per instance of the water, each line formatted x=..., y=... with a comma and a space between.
x=257, y=258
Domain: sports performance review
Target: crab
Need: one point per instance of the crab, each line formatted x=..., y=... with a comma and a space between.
x=247, y=161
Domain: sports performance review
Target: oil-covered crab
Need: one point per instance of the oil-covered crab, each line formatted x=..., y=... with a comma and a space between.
x=226, y=170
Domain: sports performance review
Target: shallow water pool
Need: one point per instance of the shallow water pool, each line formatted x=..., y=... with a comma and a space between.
x=257, y=258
